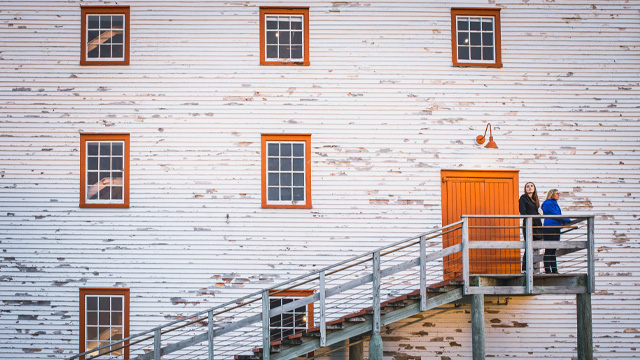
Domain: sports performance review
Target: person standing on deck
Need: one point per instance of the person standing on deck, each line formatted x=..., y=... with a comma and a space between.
x=551, y=207
x=528, y=205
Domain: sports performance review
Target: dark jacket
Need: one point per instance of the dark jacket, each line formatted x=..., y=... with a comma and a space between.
x=550, y=207
x=528, y=207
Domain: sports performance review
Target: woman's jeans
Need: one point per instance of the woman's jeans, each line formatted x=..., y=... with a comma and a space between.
x=550, y=265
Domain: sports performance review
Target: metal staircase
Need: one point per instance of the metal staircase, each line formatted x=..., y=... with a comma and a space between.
x=352, y=299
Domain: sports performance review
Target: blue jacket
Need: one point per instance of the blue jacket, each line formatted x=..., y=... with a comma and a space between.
x=550, y=207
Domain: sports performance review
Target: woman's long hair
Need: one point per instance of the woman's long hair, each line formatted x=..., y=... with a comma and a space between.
x=551, y=193
x=534, y=196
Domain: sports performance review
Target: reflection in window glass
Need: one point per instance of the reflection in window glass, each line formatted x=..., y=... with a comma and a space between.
x=105, y=37
x=287, y=323
x=285, y=171
x=476, y=38
x=104, y=173
x=104, y=323
x=284, y=37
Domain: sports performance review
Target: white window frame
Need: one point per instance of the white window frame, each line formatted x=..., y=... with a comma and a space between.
x=481, y=32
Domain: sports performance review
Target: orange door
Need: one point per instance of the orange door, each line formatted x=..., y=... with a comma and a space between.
x=481, y=192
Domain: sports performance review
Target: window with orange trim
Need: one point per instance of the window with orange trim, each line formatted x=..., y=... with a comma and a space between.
x=293, y=321
x=284, y=36
x=286, y=171
x=105, y=35
x=104, y=318
x=475, y=37
x=104, y=170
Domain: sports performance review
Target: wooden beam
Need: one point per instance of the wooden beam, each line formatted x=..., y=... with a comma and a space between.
x=266, y=334
x=585, y=336
x=477, y=326
x=356, y=351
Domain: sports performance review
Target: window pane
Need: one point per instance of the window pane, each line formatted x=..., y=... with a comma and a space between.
x=463, y=23
x=296, y=22
x=92, y=178
x=105, y=148
x=476, y=39
x=298, y=150
x=92, y=192
x=476, y=53
x=92, y=163
x=296, y=52
x=487, y=24
x=104, y=303
x=92, y=318
x=287, y=320
x=487, y=53
x=92, y=148
x=105, y=163
x=298, y=194
x=105, y=51
x=92, y=333
x=298, y=164
x=117, y=21
x=296, y=37
x=272, y=149
x=284, y=22
x=273, y=194
x=117, y=38
x=116, y=163
x=285, y=149
x=116, y=303
x=116, y=193
x=271, y=37
x=272, y=52
x=474, y=24
x=299, y=321
x=104, y=193
x=463, y=52
x=285, y=179
x=463, y=38
x=285, y=164
x=92, y=36
x=487, y=39
x=94, y=53
x=104, y=318
x=116, y=148
x=92, y=345
x=272, y=22
x=285, y=194
x=273, y=164
x=285, y=51
x=273, y=179
x=274, y=303
x=116, y=318
x=105, y=22
x=298, y=179
x=284, y=37
x=93, y=21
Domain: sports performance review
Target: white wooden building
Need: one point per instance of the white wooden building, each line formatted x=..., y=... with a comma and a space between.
x=379, y=98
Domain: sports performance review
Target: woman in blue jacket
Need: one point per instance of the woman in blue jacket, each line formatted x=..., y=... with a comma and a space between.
x=550, y=207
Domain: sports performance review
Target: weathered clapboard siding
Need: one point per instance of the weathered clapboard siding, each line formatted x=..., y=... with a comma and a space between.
x=386, y=112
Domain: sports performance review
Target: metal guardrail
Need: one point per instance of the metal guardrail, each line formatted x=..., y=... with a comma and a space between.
x=457, y=251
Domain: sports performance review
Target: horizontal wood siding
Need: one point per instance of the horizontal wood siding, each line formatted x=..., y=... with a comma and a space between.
x=386, y=110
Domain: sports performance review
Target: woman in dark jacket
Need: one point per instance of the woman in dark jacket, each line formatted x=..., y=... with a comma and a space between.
x=528, y=205
x=550, y=207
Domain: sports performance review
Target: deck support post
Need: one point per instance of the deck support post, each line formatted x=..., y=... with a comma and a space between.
x=585, y=338
x=266, y=334
x=375, y=344
x=210, y=334
x=477, y=326
x=356, y=351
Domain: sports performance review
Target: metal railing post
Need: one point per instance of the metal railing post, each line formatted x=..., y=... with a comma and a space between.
x=465, y=255
x=423, y=273
x=591, y=266
x=266, y=338
x=323, y=316
x=210, y=335
x=157, y=345
x=528, y=244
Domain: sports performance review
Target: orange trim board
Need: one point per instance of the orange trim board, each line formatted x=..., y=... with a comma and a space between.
x=125, y=315
x=117, y=9
x=304, y=11
x=306, y=138
x=495, y=13
x=83, y=167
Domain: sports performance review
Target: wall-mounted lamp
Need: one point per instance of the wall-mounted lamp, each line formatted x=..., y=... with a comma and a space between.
x=480, y=138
